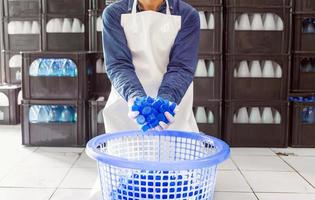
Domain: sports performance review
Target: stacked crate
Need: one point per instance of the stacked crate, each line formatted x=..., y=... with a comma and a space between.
x=207, y=88
x=303, y=73
x=10, y=101
x=21, y=32
x=51, y=93
x=257, y=60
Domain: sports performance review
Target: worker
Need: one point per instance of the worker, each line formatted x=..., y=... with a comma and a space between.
x=150, y=49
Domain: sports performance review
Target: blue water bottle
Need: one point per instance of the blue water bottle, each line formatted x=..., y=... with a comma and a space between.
x=56, y=69
x=311, y=115
x=66, y=115
x=43, y=114
x=44, y=67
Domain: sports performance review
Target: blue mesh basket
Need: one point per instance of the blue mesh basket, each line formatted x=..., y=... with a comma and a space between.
x=157, y=164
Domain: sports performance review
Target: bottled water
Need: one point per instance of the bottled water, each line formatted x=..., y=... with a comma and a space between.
x=55, y=113
x=43, y=114
x=44, y=67
x=69, y=68
x=34, y=68
x=55, y=69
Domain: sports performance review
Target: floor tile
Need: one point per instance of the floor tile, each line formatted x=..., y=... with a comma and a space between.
x=227, y=165
x=301, y=163
x=284, y=196
x=76, y=194
x=231, y=181
x=252, y=152
x=277, y=182
x=234, y=196
x=85, y=161
x=80, y=178
x=51, y=160
x=309, y=176
x=295, y=151
x=25, y=193
x=261, y=163
x=34, y=177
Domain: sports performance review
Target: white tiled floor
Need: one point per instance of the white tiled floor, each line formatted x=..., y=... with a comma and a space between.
x=41, y=173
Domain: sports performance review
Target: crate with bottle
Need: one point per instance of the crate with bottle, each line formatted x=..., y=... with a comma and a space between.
x=256, y=123
x=57, y=75
x=258, y=26
x=303, y=72
x=54, y=123
x=208, y=78
x=12, y=64
x=65, y=7
x=208, y=117
x=21, y=8
x=303, y=119
x=256, y=77
x=65, y=32
x=22, y=34
x=304, y=32
x=10, y=96
x=96, y=120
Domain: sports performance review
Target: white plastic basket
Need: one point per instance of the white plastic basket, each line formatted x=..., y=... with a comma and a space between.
x=157, y=165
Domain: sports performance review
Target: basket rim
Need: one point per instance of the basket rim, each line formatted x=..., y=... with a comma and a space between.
x=206, y=162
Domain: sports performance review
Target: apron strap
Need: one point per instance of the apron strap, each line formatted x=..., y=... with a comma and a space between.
x=135, y=3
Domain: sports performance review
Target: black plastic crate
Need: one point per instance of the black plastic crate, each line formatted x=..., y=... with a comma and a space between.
x=239, y=39
x=304, y=32
x=65, y=41
x=209, y=88
x=255, y=134
x=302, y=130
x=257, y=85
x=22, y=8
x=18, y=40
x=304, y=6
x=57, y=134
x=59, y=87
x=210, y=127
x=211, y=38
x=12, y=64
x=303, y=72
x=66, y=7
x=9, y=107
x=96, y=121
x=102, y=85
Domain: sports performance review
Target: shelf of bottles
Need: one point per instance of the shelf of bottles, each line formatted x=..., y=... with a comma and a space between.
x=54, y=122
x=256, y=77
x=258, y=27
x=256, y=124
x=303, y=120
x=10, y=100
x=67, y=74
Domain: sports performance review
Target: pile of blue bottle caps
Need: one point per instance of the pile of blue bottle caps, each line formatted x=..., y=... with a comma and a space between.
x=308, y=113
x=161, y=185
x=151, y=111
x=53, y=67
x=52, y=113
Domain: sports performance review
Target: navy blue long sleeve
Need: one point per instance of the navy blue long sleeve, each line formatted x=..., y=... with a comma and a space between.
x=182, y=60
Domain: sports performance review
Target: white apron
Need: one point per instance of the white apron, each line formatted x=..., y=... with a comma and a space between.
x=150, y=36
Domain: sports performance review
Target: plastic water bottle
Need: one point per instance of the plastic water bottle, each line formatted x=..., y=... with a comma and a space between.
x=43, y=114
x=33, y=114
x=244, y=23
x=1, y=115
x=66, y=115
x=56, y=68
x=35, y=66
x=69, y=68
x=55, y=113
x=44, y=67
x=311, y=115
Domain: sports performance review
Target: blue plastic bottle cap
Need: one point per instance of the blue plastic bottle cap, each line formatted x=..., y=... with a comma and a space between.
x=146, y=111
x=135, y=108
x=161, y=117
x=149, y=100
x=163, y=108
x=140, y=119
x=157, y=104
x=145, y=128
x=150, y=118
x=154, y=124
